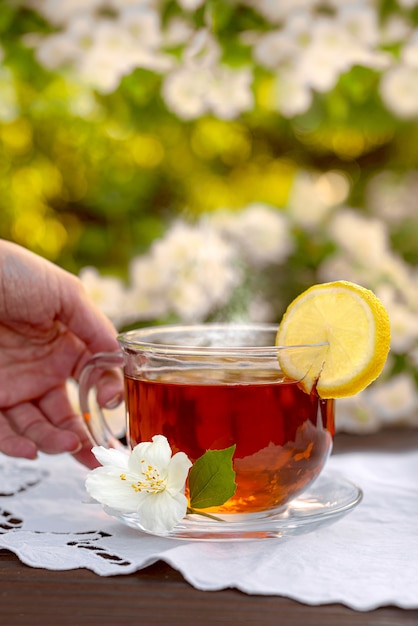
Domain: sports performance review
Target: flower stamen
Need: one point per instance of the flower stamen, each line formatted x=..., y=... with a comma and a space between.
x=153, y=482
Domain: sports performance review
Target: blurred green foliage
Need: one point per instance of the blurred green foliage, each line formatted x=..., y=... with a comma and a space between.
x=91, y=179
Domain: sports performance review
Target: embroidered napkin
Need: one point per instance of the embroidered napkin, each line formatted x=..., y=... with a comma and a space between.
x=369, y=558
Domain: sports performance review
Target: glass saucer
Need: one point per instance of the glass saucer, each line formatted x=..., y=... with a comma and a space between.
x=328, y=499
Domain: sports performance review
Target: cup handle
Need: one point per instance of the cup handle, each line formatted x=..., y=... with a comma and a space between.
x=98, y=426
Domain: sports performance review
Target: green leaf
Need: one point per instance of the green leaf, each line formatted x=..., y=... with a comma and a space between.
x=212, y=479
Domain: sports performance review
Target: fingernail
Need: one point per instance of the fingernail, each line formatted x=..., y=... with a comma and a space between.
x=114, y=402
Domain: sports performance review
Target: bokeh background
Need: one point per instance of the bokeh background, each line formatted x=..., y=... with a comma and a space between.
x=195, y=160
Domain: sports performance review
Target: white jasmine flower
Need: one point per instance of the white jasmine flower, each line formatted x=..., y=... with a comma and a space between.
x=143, y=25
x=229, y=92
x=410, y=50
x=408, y=4
x=260, y=231
x=403, y=320
x=108, y=58
x=340, y=265
x=260, y=310
x=103, y=50
x=356, y=414
x=292, y=95
x=190, y=271
x=392, y=197
x=184, y=92
x=274, y=48
x=276, y=11
x=413, y=357
x=147, y=296
x=202, y=269
x=177, y=32
x=394, y=30
x=193, y=90
x=190, y=5
x=395, y=271
x=395, y=400
x=9, y=107
x=108, y=292
x=313, y=196
x=149, y=482
x=399, y=90
x=118, y=5
x=62, y=11
x=364, y=239
x=330, y=52
x=204, y=85
x=404, y=328
x=361, y=22
x=56, y=50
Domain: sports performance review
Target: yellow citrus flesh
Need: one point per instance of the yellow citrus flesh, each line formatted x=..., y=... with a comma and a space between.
x=355, y=326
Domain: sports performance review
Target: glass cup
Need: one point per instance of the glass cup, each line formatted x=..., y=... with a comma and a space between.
x=212, y=386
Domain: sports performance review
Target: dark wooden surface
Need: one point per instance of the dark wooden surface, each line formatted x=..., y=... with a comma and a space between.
x=159, y=594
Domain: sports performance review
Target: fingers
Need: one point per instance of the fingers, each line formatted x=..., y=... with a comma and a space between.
x=51, y=426
x=59, y=410
x=84, y=318
x=29, y=423
x=110, y=390
x=13, y=444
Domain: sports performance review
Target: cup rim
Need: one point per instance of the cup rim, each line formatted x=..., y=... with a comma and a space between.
x=136, y=340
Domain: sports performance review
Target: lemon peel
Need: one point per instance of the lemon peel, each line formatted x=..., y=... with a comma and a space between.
x=354, y=325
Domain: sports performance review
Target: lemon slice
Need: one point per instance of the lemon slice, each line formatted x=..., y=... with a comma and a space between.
x=353, y=323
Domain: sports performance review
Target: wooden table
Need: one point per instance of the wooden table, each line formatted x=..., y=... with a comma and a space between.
x=159, y=594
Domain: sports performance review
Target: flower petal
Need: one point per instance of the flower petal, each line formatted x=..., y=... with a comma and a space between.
x=177, y=473
x=160, y=513
x=105, y=485
x=111, y=457
x=156, y=453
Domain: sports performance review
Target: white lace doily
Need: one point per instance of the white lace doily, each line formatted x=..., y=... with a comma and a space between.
x=365, y=560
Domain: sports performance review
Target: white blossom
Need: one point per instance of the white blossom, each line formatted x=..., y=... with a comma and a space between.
x=260, y=231
x=276, y=11
x=191, y=271
x=392, y=197
x=413, y=357
x=291, y=95
x=403, y=319
x=364, y=239
x=190, y=5
x=327, y=55
x=410, y=50
x=9, y=106
x=177, y=32
x=60, y=12
x=395, y=29
x=108, y=292
x=276, y=47
x=356, y=414
x=313, y=196
x=149, y=483
x=229, y=92
x=396, y=400
x=408, y=4
x=399, y=90
x=193, y=90
x=340, y=266
x=56, y=50
x=361, y=22
x=184, y=92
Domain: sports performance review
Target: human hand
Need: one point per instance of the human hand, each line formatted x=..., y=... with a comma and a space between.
x=49, y=328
